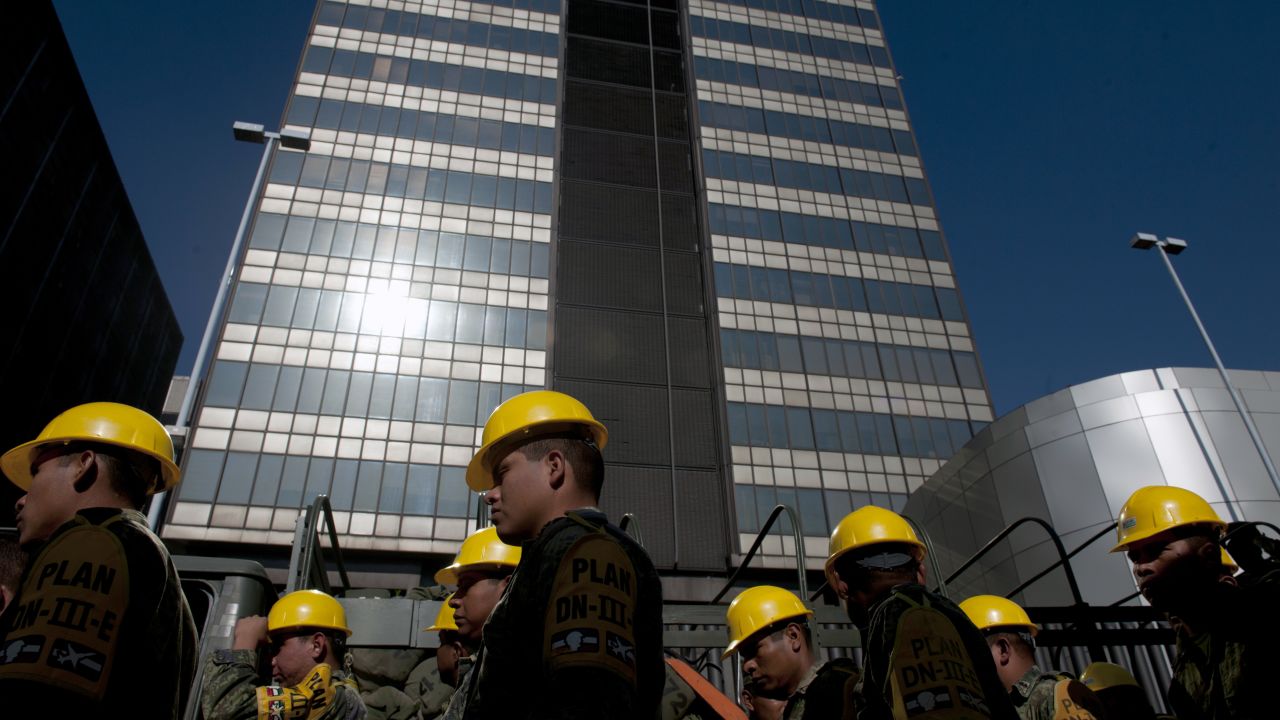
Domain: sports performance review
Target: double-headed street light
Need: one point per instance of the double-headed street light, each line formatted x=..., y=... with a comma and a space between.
x=1174, y=246
x=247, y=132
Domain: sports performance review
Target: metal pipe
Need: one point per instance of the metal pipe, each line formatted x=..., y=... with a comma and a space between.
x=1222, y=370
x=1101, y=534
x=1057, y=543
x=764, y=531
x=936, y=569
x=158, y=502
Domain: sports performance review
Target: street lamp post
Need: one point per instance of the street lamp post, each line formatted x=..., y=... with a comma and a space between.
x=1174, y=246
x=247, y=132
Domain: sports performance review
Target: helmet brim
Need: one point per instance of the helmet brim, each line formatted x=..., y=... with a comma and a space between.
x=16, y=463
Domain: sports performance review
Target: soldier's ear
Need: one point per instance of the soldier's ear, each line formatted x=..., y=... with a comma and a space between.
x=555, y=463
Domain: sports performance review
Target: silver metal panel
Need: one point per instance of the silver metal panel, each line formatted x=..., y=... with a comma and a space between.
x=1182, y=453
x=1034, y=552
x=1244, y=467
x=1050, y=429
x=1049, y=405
x=1248, y=379
x=1261, y=401
x=1098, y=390
x=1198, y=377
x=1139, y=381
x=1007, y=448
x=1213, y=399
x=1103, y=576
x=1108, y=411
x=1135, y=429
x=1071, y=485
x=1018, y=485
x=1160, y=402
x=1125, y=460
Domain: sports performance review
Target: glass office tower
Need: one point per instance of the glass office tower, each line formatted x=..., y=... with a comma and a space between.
x=707, y=221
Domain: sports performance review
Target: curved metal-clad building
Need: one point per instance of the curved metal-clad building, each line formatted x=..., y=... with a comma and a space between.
x=1072, y=459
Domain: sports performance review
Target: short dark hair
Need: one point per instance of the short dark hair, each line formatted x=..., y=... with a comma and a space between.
x=337, y=643
x=131, y=474
x=583, y=456
x=1021, y=640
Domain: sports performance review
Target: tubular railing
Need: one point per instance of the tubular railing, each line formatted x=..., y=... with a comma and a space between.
x=1027, y=583
x=306, y=563
x=628, y=524
x=801, y=583
x=1057, y=543
x=932, y=556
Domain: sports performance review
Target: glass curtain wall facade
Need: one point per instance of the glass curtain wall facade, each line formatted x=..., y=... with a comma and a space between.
x=394, y=287
x=849, y=368
x=708, y=220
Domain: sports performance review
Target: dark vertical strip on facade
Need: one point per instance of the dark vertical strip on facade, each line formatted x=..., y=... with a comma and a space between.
x=632, y=325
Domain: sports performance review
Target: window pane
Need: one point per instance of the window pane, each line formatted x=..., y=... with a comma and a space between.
x=420, y=490
x=455, y=498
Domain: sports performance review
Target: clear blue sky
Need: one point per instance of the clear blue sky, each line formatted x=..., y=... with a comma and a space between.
x=1050, y=133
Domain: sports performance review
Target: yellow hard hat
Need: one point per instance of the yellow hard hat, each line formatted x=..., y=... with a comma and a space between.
x=307, y=609
x=866, y=526
x=1229, y=563
x=756, y=609
x=993, y=611
x=1152, y=510
x=444, y=618
x=106, y=423
x=1103, y=675
x=482, y=550
x=528, y=415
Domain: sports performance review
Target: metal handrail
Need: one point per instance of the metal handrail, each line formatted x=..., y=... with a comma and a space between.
x=1101, y=534
x=755, y=547
x=628, y=524
x=303, y=558
x=931, y=555
x=1057, y=543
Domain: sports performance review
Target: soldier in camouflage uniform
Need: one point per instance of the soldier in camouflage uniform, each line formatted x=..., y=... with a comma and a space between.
x=307, y=633
x=768, y=627
x=578, y=633
x=922, y=657
x=100, y=627
x=1036, y=694
x=1227, y=634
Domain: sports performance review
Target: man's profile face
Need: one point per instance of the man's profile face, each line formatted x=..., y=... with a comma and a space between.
x=51, y=500
x=520, y=497
x=770, y=663
x=1171, y=569
x=477, y=594
x=293, y=656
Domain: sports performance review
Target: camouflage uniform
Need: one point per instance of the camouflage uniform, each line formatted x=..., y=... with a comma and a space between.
x=824, y=692
x=232, y=692
x=874, y=694
x=100, y=625
x=1035, y=697
x=578, y=632
x=1228, y=670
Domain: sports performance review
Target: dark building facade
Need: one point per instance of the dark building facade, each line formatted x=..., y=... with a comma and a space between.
x=86, y=317
x=708, y=220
